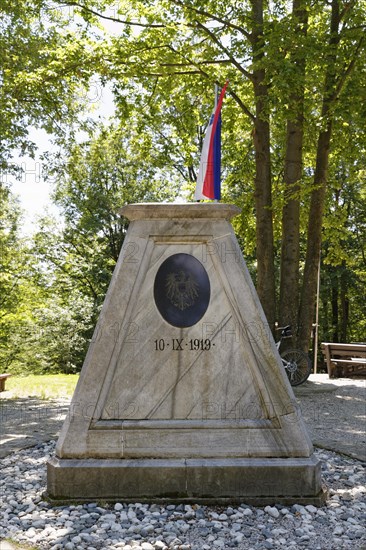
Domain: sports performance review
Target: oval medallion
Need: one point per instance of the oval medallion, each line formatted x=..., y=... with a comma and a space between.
x=182, y=290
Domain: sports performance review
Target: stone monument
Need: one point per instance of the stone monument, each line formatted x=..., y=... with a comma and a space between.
x=182, y=395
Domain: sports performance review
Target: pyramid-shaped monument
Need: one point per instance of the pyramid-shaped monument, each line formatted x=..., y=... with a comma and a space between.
x=182, y=395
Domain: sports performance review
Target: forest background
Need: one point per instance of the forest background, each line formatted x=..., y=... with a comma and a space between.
x=293, y=144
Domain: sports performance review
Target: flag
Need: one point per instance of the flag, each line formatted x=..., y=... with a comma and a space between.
x=208, y=185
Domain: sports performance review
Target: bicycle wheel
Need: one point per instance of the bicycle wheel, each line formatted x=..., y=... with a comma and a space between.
x=297, y=365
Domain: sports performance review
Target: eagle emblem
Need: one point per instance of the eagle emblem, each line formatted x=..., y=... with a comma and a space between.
x=181, y=289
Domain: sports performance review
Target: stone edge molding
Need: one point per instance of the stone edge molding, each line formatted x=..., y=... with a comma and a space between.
x=152, y=210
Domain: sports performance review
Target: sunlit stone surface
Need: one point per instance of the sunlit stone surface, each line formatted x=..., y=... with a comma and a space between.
x=182, y=394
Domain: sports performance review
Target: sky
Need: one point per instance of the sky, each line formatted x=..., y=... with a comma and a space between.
x=33, y=192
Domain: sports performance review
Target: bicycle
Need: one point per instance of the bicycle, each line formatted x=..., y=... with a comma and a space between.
x=295, y=361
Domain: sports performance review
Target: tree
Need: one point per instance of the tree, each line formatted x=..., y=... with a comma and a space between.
x=293, y=75
x=341, y=58
x=288, y=308
x=263, y=177
x=41, y=328
x=343, y=255
x=270, y=76
x=13, y=258
x=46, y=60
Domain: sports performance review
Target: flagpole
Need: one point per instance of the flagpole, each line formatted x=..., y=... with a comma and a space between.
x=217, y=93
x=317, y=319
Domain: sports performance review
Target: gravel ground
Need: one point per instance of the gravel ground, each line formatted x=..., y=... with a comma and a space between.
x=28, y=519
x=334, y=411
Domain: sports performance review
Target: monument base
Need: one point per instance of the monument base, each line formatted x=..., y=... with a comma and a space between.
x=256, y=481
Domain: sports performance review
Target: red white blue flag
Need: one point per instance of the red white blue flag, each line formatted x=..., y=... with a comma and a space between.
x=208, y=185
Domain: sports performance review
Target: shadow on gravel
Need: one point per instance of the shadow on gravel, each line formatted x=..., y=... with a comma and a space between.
x=25, y=422
x=335, y=414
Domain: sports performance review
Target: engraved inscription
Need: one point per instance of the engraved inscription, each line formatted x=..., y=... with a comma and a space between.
x=180, y=344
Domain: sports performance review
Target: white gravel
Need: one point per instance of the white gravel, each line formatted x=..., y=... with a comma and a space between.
x=28, y=519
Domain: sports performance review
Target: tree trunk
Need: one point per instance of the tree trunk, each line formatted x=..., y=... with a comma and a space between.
x=314, y=235
x=290, y=249
x=263, y=191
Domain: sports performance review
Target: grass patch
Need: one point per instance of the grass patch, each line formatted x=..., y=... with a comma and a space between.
x=43, y=386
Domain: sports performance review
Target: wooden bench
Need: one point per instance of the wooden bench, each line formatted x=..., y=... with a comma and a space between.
x=345, y=359
x=3, y=378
